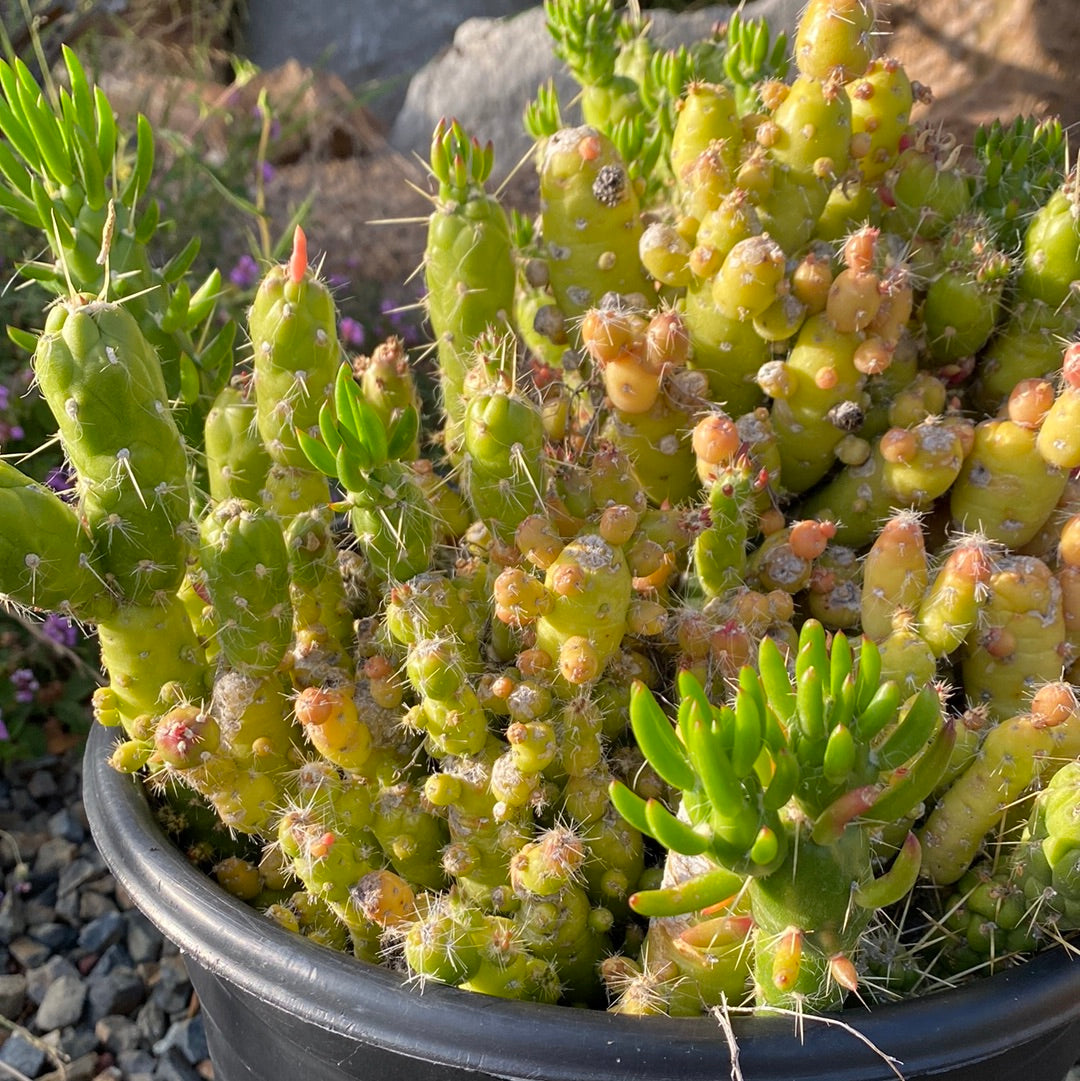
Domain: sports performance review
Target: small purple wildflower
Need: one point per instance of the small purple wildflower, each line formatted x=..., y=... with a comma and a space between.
x=352, y=332
x=60, y=630
x=268, y=172
x=26, y=685
x=5, y=735
x=59, y=480
x=245, y=273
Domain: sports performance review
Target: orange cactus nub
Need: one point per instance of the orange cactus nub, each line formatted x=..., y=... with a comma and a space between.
x=787, y=959
x=843, y=971
x=298, y=261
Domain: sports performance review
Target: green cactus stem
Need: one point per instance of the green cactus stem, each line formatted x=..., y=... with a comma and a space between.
x=468, y=262
x=590, y=220
x=293, y=329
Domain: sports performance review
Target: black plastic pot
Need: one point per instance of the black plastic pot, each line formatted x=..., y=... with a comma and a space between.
x=277, y=1007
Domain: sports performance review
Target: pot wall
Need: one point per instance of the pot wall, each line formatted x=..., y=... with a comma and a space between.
x=278, y=1006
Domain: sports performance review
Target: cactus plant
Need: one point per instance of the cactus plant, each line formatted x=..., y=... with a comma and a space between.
x=746, y=466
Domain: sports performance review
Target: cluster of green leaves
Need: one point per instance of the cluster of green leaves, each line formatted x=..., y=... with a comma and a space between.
x=355, y=441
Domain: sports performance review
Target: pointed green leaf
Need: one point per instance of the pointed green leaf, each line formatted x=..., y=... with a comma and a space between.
x=657, y=740
x=180, y=263
x=189, y=380
x=328, y=429
x=175, y=314
x=352, y=468
x=81, y=97
x=23, y=338
x=810, y=704
x=785, y=780
x=690, y=690
x=104, y=130
x=143, y=168
x=775, y=680
x=840, y=662
x=692, y=895
x=147, y=223
x=912, y=732
x=867, y=673
x=216, y=360
x=93, y=178
x=712, y=765
x=346, y=394
x=879, y=712
x=403, y=433
x=45, y=129
x=372, y=431
x=13, y=129
x=317, y=453
x=14, y=171
x=204, y=299
x=673, y=834
x=630, y=805
x=20, y=207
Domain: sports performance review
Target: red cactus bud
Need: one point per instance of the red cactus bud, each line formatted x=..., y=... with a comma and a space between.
x=298, y=261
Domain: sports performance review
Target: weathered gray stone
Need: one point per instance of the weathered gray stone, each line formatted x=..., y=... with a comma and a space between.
x=54, y=855
x=66, y=825
x=28, y=952
x=143, y=938
x=136, y=1065
x=120, y=991
x=41, y=977
x=12, y=916
x=188, y=1037
x=368, y=43
x=62, y=1005
x=56, y=936
x=22, y=1055
x=494, y=66
x=117, y=1033
x=104, y=931
x=12, y=995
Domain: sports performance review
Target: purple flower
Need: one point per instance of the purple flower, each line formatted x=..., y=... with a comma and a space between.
x=352, y=332
x=60, y=630
x=60, y=480
x=16, y=431
x=5, y=735
x=245, y=273
x=25, y=684
x=268, y=172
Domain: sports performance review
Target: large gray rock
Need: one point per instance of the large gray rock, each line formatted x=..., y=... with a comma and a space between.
x=494, y=66
x=373, y=45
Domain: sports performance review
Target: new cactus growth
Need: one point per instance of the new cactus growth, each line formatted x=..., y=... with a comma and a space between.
x=785, y=439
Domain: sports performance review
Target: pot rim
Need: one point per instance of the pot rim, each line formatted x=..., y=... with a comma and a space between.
x=1029, y=1003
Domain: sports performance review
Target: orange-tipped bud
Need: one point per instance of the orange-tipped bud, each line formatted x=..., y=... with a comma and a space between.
x=298, y=261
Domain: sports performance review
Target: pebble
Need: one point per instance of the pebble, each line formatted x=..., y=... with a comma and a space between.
x=24, y=1055
x=63, y=1003
x=12, y=995
x=103, y=931
x=85, y=978
x=120, y=991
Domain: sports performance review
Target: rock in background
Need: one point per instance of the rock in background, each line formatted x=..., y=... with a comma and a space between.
x=367, y=43
x=493, y=67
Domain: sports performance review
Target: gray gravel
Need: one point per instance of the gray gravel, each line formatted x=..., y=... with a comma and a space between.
x=89, y=990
